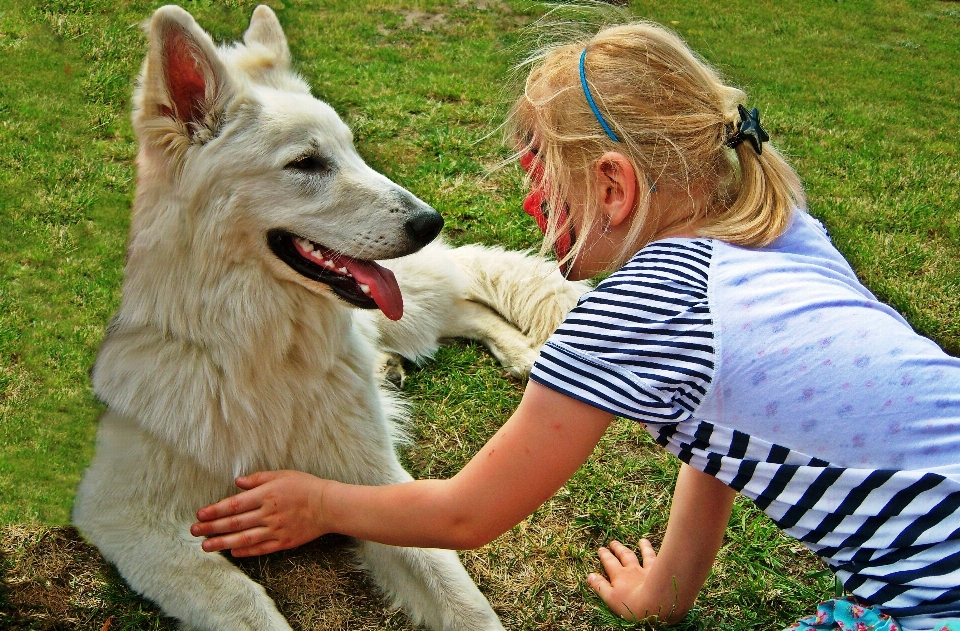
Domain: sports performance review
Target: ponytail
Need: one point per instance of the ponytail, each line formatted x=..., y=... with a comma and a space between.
x=761, y=201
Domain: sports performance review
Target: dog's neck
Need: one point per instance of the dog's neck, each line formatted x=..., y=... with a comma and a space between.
x=222, y=297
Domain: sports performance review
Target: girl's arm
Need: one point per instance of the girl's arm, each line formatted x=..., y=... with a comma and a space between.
x=666, y=586
x=545, y=441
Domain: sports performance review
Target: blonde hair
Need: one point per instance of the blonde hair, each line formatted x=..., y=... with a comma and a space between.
x=673, y=116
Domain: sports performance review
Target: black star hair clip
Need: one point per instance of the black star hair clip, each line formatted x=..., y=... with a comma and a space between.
x=750, y=129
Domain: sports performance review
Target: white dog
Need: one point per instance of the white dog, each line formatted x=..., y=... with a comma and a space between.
x=237, y=348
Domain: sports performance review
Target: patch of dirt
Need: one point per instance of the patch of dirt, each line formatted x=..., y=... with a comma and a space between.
x=54, y=581
x=419, y=20
x=428, y=22
x=424, y=21
x=482, y=5
x=318, y=586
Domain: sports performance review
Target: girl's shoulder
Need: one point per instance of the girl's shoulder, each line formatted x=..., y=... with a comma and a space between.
x=805, y=246
x=677, y=262
x=640, y=344
x=701, y=262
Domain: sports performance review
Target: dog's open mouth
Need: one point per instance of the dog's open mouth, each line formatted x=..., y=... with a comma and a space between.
x=364, y=284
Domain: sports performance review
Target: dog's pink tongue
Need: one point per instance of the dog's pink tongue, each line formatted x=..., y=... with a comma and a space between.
x=383, y=285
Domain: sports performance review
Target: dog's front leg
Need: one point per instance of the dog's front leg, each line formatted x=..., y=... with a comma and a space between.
x=202, y=590
x=430, y=584
x=136, y=503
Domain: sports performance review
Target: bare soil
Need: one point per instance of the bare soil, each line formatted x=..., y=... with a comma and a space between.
x=54, y=581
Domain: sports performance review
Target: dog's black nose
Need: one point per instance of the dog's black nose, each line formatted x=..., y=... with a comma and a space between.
x=424, y=226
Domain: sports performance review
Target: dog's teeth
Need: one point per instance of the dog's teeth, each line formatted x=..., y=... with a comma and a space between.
x=306, y=245
x=328, y=264
x=317, y=255
x=364, y=288
x=343, y=270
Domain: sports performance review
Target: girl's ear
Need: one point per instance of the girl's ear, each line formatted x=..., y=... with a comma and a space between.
x=617, y=186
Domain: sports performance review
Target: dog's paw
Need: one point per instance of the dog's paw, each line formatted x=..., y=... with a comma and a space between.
x=390, y=369
x=521, y=365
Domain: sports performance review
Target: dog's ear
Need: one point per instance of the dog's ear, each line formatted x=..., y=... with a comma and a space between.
x=184, y=83
x=265, y=31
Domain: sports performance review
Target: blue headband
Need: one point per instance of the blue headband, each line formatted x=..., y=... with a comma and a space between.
x=596, y=111
x=593, y=106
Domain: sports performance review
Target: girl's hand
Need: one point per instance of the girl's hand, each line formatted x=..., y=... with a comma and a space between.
x=278, y=510
x=623, y=593
x=666, y=585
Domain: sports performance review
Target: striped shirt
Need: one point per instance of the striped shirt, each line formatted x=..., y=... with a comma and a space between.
x=777, y=372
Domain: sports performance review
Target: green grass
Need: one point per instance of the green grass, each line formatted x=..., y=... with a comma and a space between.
x=861, y=95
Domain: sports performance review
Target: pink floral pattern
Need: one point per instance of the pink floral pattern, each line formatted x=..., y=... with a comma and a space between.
x=846, y=614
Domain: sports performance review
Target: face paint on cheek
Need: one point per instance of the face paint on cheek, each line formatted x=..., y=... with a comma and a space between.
x=537, y=206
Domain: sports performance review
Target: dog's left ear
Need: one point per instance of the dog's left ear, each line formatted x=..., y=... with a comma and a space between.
x=184, y=85
x=265, y=31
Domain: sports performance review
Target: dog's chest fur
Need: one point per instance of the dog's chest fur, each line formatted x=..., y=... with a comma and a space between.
x=276, y=389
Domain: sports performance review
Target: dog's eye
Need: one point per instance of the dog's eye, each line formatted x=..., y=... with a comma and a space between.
x=309, y=164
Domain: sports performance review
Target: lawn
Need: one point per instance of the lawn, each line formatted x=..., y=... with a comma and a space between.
x=860, y=95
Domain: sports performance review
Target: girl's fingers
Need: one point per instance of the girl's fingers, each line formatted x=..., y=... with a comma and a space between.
x=234, y=505
x=600, y=585
x=647, y=553
x=611, y=564
x=232, y=523
x=624, y=554
x=261, y=548
x=246, y=539
x=247, y=482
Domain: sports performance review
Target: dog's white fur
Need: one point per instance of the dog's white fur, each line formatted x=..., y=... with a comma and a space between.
x=222, y=360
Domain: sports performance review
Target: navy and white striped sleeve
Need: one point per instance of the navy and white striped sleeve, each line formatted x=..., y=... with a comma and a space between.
x=641, y=345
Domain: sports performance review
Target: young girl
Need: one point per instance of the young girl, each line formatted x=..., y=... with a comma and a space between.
x=730, y=327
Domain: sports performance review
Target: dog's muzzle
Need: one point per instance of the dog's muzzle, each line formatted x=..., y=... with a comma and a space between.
x=364, y=284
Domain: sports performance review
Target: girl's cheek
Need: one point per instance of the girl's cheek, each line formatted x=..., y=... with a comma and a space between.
x=533, y=206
